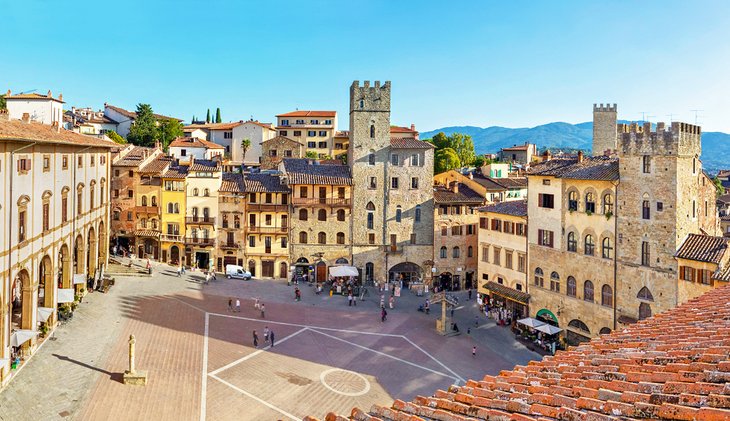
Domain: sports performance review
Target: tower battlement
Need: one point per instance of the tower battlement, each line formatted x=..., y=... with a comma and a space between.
x=605, y=108
x=679, y=139
x=375, y=97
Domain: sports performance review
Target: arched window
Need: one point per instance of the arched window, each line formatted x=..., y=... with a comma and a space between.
x=573, y=201
x=370, y=206
x=206, y=192
x=645, y=210
x=589, y=245
x=206, y=213
x=302, y=237
x=371, y=157
x=170, y=209
x=456, y=252
x=572, y=243
x=606, y=248
x=195, y=191
x=442, y=252
x=340, y=214
x=604, y=331
x=607, y=204
x=539, y=278
x=322, y=238
x=154, y=200
x=470, y=252
x=302, y=214
x=144, y=200
x=398, y=214
x=571, y=290
x=195, y=212
x=417, y=217
x=362, y=104
x=555, y=282
x=369, y=271
x=590, y=203
x=372, y=131
x=588, y=291
x=577, y=324
x=177, y=207
x=645, y=294
x=606, y=296
x=371, y=215
x=321, y=215
x=340, y=238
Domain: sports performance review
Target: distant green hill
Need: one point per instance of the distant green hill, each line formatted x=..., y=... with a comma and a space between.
x=715, y=145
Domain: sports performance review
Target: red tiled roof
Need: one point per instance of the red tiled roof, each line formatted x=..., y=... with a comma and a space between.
x=44, y=133
x=442, y=194
x=194, y=142
x=510, y=207
x=517, y=148
x=264, y=183
x=409, y=143
x=176, y=172
x=307, y=171
x=232, y=183
x=309, y=114
x=206, y=165
x=723, y=173
x=213, y=126
x=673, y=366
x=399, y=129
x=34, y=96
x=703, y=248
x=157, y=166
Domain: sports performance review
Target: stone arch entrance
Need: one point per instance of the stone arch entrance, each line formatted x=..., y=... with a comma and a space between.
x=283, y=270
x=45, y=283
x=103, y=244
x=91, y=254
x=369, y=271
x=406, y=271
x=64, y=263
x=79, y=255
x=578, y=332
x=174, y=255
x=321, y=271
x=22, y=301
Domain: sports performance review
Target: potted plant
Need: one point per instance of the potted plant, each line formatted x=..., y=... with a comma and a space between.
x=609, y=214
x=43, y=330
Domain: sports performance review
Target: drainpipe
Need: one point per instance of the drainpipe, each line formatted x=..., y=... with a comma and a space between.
x=10, y=221
x=615, y=252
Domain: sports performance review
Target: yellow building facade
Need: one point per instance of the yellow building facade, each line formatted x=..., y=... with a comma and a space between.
x=172, y=215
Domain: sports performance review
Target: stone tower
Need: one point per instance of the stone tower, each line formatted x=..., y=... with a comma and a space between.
x=660, y=201
x=604, y=128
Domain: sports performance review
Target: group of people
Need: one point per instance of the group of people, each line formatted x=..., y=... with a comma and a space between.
x=268, y=337
x=237, y=308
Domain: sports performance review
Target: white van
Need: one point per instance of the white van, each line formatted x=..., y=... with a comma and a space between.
x=235, y=271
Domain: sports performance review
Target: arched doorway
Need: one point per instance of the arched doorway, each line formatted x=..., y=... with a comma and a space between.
x=406, y=272
x=644, y=311
x=22, y=302
x=578, y=332
x=45, y=283
x=341, y=261
x=103, y=244
x=283, y=270
x=79, y=255
x=252, y=267
x=444, y=281
x=369, y=271
x=321, y=271
x=174, y=255
x=547, y=316
x=64, y=263
x=91, y=254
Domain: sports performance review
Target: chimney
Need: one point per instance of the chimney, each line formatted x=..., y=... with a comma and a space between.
x=413, y=127
x=580, y=156
x=49, y=94
x=7, y=93
x=546, y=156
x=60, y=97
x=455, y=187
x=26, y=118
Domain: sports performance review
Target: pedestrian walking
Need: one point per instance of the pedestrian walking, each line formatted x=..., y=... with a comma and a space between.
x=470, y=293
x=349, y=300
x=179, y=271
x=256, y=304
x=474, y=351
x=476, y=321
x=391, y=302
x=452, y=312
x=183, y=269
x=271, y=337
x=266, y=334
x=230, y=304
x=255, y=339
x=382, y=300
x=263, y=309
x=383, y=315
x=238, y=305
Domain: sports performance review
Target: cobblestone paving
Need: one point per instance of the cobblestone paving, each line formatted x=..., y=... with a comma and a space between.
x=78, y=375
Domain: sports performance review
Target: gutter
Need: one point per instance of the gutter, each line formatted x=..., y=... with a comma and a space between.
x=615, y=253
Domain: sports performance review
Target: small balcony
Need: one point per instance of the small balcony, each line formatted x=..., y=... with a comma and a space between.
x=321, y=201
x=147, y=209
x=268, y=207
x=230, y=245
x=198, y=241
x=393, y=249
x=200, y=220
x=173, y=238
x=266, y=230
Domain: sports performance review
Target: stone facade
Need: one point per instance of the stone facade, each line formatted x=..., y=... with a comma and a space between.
x=385, y=247
x=231, y=217
x=604, y=128
x=278, y=148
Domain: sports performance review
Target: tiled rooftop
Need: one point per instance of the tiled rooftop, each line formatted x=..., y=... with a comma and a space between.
x=178, y=172
x=265, y=183
x=232, y=183
x=133, y=115
x=157, y=166
x=134, y=157
x=703, y=248
x=307, y=171
x=673, y=366
x=466, y=195
x=194, y=142
x=205, y=165
x=409, y=143
x=590, y=168
x=304, y=113
x=512, y=207
x=44, y=133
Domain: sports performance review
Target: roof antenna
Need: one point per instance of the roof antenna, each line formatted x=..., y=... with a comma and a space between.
x=696, y=112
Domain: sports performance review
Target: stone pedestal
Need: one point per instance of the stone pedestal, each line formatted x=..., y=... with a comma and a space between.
x=133, y=376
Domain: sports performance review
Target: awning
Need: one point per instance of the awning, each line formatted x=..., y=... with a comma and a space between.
x=79, y=278
x=343, y=271
x=530, y=322
x=65, y=295
x=44, y=313
x=549, y=329
x=19, y=337
x=508, y=293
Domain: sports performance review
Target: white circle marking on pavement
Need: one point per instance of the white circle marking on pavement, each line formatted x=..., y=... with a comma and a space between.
x=346, y=373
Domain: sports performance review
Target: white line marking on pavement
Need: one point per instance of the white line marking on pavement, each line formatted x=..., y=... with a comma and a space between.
x=204, y=386
x=238, y=389
x=384, y=354
x=253, y=354
x=252, y=319
x=457, y=377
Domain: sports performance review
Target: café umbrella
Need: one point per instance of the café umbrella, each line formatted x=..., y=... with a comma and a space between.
x=19, y=337
x=530, y=322
x=549, y=329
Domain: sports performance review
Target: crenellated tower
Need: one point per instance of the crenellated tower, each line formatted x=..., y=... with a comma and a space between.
x=604, y=129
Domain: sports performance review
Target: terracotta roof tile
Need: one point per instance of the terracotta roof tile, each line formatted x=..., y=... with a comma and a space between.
x=194, y=142
x=134, y=157
x=232, y=183
x=33, y=95
x=590, y=168
x=205, y=165
x=304, y=113
x=44, y=133
x=265, y=183
x=703, y=248
x=511, y=207
x=178, y=172
x=673, y=366
x=157, y=166
x=409, y=143
x=442, y=194
x=307, y=171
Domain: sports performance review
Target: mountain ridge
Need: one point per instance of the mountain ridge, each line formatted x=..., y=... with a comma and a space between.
x=715, y=145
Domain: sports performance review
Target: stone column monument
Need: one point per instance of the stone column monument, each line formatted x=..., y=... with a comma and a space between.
x=132, y=376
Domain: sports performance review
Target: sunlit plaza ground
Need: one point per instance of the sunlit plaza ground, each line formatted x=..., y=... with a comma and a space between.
x=202, y=363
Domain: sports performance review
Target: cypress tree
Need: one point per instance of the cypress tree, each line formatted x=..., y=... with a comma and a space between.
x=207, y=116
x=218, y=115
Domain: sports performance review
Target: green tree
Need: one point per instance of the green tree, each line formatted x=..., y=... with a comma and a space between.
x=169, y=130
x=111, y=134
x=311, y=154
x=3, y=103
x=245, y=145
x=479, y=161
x=143, y=131
x=441, y=141
x=718, y=186
x=445, y=159
x=464, y=147
x=193, y=120
x=218, y=115
x=207, y=116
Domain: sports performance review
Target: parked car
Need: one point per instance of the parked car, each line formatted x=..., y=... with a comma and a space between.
x=238, y=272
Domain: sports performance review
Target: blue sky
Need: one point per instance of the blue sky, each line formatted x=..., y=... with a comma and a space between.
x=482, y=63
